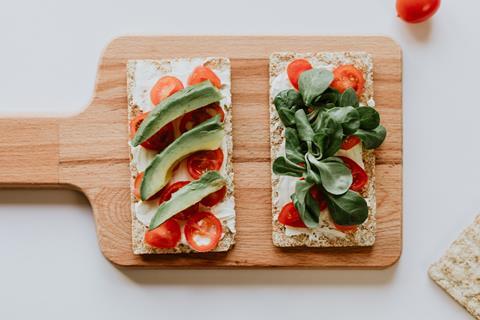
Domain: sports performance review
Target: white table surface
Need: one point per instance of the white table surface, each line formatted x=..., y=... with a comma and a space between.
x=50, y=265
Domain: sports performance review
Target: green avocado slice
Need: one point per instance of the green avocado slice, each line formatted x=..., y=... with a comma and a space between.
x=195, y=191
x=206, y=136
x=181, y=102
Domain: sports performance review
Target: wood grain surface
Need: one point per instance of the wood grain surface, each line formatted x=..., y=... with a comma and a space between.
x=89, y=151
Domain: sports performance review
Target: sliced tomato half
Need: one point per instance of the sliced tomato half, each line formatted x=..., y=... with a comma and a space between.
x=202, y=161
x=163, y=88
x=159, y=140
x=165, y=236
x=348, y=76
x=198, y=116
x=167, y=195
x=360, y=177
x=203, y=231
x=289, y=216
x=350, y=142
x=202, y=73
x=295, y=69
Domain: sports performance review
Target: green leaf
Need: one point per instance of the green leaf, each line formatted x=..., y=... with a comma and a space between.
x=288, y=99
x=328, y=137
x=282, y=166
x=335, y=176
x=348, y=98
x=347, y=209
x=311, y=176
x=287, y=102
x=305, y=131
x=313, y=83
x=287, y=117
x=302, y=201
x=369, y=118
x=329, y=97
x=372, y=138
x=293, y=149
x=348, y=117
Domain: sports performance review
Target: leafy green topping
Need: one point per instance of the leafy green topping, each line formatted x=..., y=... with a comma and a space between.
x=317, y=119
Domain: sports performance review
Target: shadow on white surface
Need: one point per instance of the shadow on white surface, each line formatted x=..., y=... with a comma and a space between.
x=421, y=32
x=38, y=197
x=261, y=277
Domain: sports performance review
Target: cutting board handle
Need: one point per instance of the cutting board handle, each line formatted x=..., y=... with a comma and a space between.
x=29, y=152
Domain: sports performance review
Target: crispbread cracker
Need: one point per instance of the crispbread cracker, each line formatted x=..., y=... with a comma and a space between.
x=138, y=228
x=458, y=270
x=325, y=235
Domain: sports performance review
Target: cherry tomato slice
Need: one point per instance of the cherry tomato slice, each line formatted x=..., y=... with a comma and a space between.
x=416, y=11
x=163, y=88
x=319, y=197
x=202, y=73
x=198, y=116
x=203, y=161
x=214, y=198
x=348, y=76
x=203, y=231
x=289, y=216
x=359, y=175
x=347, y=229
x=295, y=69
x=166, y=236
x=350, y=142
x=167, y=194
x=159, y=140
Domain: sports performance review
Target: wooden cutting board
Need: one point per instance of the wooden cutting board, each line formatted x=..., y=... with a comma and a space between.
x=88, y=152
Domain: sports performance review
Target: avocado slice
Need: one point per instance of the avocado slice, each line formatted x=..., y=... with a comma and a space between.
x=181, y=102
x=187, y=196
x=206, y=136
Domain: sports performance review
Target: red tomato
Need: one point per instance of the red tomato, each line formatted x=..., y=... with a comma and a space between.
x=318, y=196
x=203, y=161
x=137, y=184
x=159, y=140
x=359, y=175
x=214, y=198
x=347, y=76
x=415, y=11
x=202, y=73
x=289, y=216
x=346, y=228
x=198, y=116
x=167, y=194
x=203, y=231
x=350, y=142
x=167, y=235
x=295, y=69
x=165, y=87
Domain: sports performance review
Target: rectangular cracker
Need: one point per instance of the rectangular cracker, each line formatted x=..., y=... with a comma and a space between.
x=458, y=270
x=325, y=235
x=141, y=76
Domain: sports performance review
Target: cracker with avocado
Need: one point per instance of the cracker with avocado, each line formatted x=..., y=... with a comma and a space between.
x=142, y=76
x=324, y=234
x=457, y=271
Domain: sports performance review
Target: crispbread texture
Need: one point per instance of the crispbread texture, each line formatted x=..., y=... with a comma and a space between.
x=325, y=235
x=458, y=270
x=138, y=229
